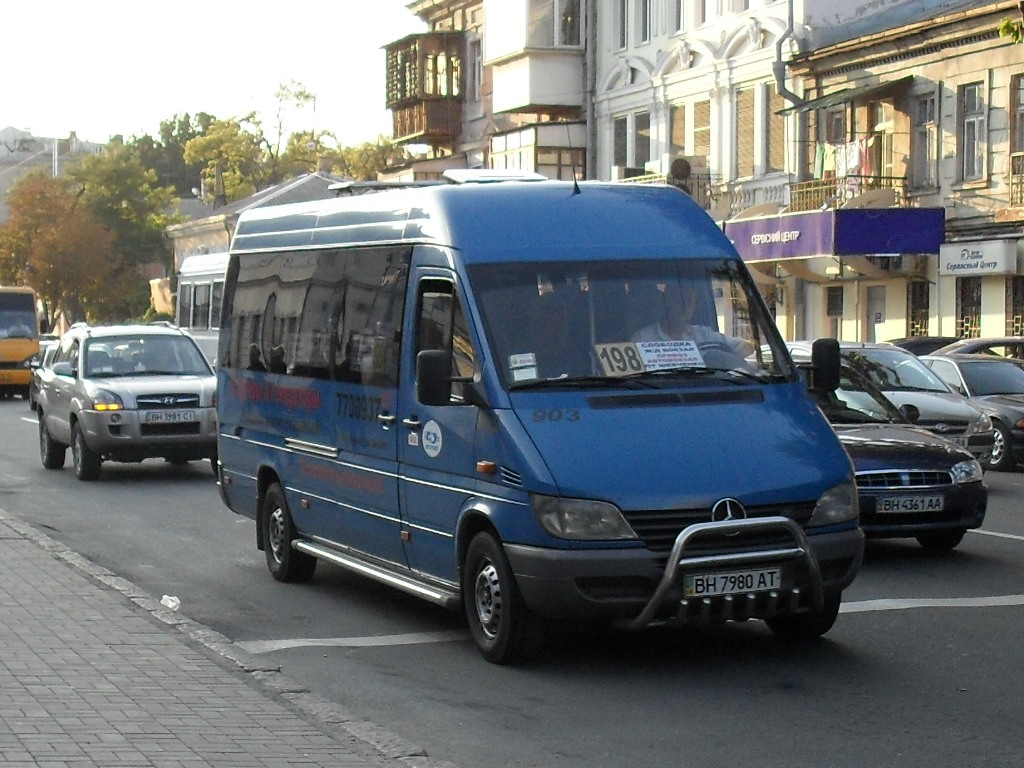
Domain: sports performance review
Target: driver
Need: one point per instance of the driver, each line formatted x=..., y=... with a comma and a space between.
x=679, y=302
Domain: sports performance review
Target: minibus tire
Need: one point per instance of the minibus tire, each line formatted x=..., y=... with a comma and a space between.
x=503, y=627
x=52, y=453
x=805, y=627
x=284, y=562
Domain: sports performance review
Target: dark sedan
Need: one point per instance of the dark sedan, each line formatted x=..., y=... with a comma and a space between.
x=1002, y=346
x=996, y=386
x=922, y=345
x=910, y=482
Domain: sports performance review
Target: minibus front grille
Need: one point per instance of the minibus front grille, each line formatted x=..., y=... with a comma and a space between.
x=659, y=528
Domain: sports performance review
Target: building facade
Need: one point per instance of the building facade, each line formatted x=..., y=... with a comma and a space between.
x=867, y=158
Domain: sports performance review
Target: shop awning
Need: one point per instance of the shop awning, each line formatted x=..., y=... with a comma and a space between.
x=846, y=95
x=838, y=232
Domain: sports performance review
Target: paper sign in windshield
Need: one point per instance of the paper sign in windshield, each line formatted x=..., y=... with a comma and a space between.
x=629, y=357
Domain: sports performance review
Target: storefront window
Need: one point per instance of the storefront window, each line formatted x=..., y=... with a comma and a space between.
x=968, y=307
x=1015, y=305
x=917, y=309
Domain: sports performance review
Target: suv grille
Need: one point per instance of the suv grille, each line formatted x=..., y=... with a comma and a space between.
x=170, y=400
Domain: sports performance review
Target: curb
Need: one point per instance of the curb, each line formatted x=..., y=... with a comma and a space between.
x=330, y=716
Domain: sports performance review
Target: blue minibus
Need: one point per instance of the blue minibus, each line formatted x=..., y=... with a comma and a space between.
x=537, y=402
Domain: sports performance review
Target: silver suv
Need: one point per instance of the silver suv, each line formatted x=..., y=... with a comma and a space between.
x=127, y=393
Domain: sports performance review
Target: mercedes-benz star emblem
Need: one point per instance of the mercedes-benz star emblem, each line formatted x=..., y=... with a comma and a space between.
x=726, y=510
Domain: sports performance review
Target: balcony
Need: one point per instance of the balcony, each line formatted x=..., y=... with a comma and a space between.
x=821, y=194
x=702, y=187
x=424, y=87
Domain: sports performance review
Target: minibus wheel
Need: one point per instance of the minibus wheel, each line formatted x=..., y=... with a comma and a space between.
x=802, y=627
x=285, y=563
x=503, y=627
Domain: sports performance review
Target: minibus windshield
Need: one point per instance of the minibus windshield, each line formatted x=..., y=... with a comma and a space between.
x=556, y=323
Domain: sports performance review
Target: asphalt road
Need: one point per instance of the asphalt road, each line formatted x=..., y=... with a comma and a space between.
x=923, y=668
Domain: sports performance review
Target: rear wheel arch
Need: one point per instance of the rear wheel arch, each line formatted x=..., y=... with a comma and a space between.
x=265, y=477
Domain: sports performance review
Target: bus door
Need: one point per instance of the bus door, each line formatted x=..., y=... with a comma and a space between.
x=435, y=444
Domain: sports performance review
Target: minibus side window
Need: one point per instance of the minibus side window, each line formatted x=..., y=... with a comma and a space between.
x=184, y=304
x=201, y=308
x=442, y=325
x=215, y=303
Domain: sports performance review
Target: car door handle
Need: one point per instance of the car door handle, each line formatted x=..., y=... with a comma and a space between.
x=387, y=419
x=412, y=422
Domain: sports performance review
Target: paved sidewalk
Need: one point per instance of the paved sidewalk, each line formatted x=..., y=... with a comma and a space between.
x=95, y=673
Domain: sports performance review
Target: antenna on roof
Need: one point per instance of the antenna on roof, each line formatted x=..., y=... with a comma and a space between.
x=572, y=154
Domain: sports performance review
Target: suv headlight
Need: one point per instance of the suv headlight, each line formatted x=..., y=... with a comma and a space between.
x=983, y=424
x=580, y=519
x=966, y=472
x=837, y=505
x=105, y=400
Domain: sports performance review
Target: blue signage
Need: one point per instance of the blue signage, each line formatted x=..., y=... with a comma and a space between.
x=841, y=232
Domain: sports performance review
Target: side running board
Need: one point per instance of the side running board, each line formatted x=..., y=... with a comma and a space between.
x=408, y=584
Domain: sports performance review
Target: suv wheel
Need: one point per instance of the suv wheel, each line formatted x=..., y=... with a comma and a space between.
x=51, y=452
x=87, y=461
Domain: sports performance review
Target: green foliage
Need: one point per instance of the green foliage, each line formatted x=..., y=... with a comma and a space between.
x=165, y=154
x=127, y=199
x=232, y=162
x=1012, y=29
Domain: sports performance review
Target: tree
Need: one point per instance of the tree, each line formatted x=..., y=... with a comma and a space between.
x=165, y=154
x=127, y=199
x=366, y=161
x=54, y=243
x=1014, y=28
x=231, y=159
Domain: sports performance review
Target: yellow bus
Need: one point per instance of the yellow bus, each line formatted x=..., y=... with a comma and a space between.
x=19, y=339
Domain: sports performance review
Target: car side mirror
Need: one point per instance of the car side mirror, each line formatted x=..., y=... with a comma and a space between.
x=825, y=365
x=910, y=412
x=63, y=369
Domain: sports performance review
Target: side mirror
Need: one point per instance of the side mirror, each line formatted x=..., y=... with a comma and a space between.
x=825, y=364
x=63, y=369
x=910, y=412
x=433, y=377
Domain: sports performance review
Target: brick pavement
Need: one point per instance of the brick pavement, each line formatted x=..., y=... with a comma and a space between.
x=94, y=672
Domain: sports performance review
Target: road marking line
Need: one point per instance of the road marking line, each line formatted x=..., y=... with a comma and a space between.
x=899, y=604
x=268, y=646
x=999, y=535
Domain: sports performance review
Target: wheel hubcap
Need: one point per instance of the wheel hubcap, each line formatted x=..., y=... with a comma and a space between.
x=488, y=599
x=275, y=534
x=998, y=446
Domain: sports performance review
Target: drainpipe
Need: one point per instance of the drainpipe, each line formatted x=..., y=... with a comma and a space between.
x=779, y=65
x=590, y=88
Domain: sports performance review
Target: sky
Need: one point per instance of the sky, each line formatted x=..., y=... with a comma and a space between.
x=106, y=67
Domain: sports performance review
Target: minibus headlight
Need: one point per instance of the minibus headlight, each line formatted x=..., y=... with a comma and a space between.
x=104, y=400
x=837, y=505
x=580, y=519
x=966, y=471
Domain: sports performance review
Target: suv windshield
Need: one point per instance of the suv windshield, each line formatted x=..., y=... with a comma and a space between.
x=142, y=355
x=895, y=370
x=593, y=322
